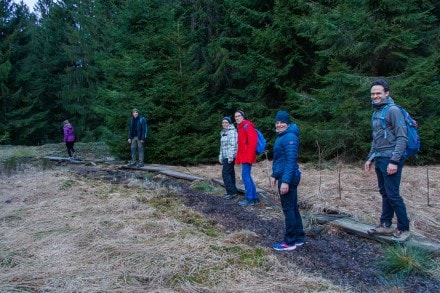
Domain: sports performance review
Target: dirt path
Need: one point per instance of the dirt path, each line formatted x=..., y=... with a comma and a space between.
x=345, y=259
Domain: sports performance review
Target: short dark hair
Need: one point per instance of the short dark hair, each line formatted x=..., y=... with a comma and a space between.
x=381, y=82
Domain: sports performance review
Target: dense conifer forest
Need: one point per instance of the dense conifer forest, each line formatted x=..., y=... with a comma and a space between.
x=187, y=63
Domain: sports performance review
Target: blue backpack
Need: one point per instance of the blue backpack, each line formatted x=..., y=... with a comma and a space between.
x=413, y=145
x=261, y=141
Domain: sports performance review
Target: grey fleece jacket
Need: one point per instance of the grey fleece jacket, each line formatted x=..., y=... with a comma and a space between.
x=392, y=141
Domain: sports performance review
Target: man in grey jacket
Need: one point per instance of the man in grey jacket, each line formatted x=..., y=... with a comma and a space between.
x=386, y=151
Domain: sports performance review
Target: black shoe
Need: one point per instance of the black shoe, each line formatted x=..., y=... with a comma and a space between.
x=140, y=165
x=131, y=165
x=246, y=202
x=230, y=196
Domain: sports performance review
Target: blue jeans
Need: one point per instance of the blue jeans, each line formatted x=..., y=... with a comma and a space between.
x=228, y=175
x=249, y=185
x=136, y=145
x=294, y=232
x=392, y=202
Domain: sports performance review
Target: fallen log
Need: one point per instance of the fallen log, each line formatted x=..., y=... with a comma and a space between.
x=66, y=159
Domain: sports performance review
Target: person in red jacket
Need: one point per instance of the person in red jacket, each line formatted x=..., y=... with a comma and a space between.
x=246, y=156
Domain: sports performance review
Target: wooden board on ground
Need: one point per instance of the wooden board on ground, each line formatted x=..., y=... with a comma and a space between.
x=145, y=168
x=180, y=175
x=65, y=159
x=354, y=227
x=361, y=229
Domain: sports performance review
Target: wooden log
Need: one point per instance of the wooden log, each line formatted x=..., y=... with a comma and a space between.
x=180, y=175
x=360, y=229
x=145, y=168
x=66, y=159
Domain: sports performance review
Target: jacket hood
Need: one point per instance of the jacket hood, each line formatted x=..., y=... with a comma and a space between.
x=388, y=100
x=230, y=127
x=293, y=128
x=245, y=122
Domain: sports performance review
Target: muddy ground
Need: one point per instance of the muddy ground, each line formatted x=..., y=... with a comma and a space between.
x=343, y=258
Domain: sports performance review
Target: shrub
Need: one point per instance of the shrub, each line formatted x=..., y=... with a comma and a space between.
x=407, y=260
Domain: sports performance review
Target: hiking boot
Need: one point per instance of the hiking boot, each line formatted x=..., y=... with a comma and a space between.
x=401, y=234
x=140, y=165
x=131, y=165
x=246, y=202
x=284, y=246
x=230, y=196
x=381, y=230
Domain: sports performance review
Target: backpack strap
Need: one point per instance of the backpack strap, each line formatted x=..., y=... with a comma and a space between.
x=383, y=114
x=381, y=118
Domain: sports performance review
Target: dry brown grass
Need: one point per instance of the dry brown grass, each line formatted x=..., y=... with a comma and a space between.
x=62, y=233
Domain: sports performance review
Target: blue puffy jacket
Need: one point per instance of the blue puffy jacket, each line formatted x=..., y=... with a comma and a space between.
x=285, y=167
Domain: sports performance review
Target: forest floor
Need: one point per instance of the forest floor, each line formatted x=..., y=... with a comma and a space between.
x=68, y=227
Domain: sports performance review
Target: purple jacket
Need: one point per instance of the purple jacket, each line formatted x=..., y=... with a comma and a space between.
x=69, y=133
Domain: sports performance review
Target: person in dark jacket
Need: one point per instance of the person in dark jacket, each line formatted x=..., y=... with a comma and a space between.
x=69, y=138
x=386, y=152
x=246, y=156
x=286, y=177
x=228, y=151
x=137, y=134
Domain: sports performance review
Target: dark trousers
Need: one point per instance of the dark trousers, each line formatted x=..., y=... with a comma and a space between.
x=389, y=188
x=70, y=150
x=294, y=232
x=228, y=175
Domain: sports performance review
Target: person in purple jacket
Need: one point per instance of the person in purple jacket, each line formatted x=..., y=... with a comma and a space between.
x=69, y=138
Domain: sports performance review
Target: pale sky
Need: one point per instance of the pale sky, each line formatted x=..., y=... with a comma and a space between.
x=29, y=3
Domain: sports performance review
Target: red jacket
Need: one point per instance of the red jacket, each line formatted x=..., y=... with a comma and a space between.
x=247, y=143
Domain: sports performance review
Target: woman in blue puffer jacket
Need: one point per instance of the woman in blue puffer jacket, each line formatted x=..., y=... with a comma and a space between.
x=286, y=176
